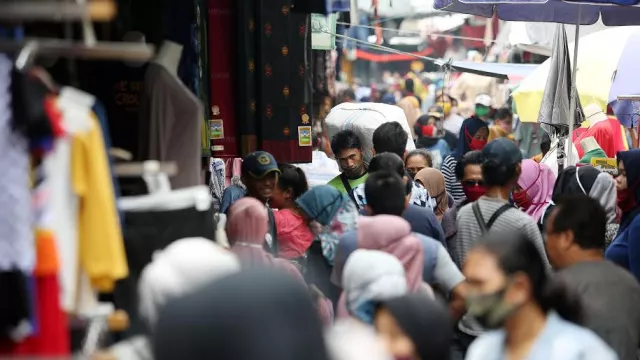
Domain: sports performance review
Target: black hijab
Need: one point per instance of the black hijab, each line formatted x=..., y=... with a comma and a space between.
x=253, y=315
x=567, y=183
x=631, y=160
x=426, y=322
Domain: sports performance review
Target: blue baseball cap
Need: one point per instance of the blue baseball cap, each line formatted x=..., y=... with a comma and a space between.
x=258, y=164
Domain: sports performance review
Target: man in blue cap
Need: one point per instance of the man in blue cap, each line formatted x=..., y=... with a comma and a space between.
x=260, y=176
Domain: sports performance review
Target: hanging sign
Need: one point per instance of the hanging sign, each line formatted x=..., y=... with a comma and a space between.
x=322, y=29
x=304, y=135
x=216, y=129
x=608, y=165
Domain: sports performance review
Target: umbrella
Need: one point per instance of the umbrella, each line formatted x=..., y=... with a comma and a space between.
x=600, y=55
x=625, y=84
x=556, y=104
x=547, y=11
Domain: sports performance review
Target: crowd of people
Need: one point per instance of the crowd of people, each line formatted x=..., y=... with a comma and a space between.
x=476, y=253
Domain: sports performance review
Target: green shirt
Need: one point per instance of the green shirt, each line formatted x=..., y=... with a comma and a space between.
x=336, y=182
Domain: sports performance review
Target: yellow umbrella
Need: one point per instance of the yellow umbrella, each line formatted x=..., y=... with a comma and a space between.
x=598, y=56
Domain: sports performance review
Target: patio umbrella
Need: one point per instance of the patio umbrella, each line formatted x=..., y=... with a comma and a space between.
x=547, y=11
x=600, y=55
x=556, y=100
x=626, y=84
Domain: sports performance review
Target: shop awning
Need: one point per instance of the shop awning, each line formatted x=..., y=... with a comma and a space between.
x=514, y=72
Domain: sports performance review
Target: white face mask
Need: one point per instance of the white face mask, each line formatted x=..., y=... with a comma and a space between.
x=454, y=110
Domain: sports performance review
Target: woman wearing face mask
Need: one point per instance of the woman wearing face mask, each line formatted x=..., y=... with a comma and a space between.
x=592, y=182
x=433, y=181
x=625, y=247
x=535, y=188
x=533, y=318
x=414, y=327
x=473, y=136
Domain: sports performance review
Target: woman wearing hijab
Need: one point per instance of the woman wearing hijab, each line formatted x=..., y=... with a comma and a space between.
x=411, y=108
x=371, y=276
x=330, y=214
x=594, y=183
x=181, y=268
x=247, y=227
x=433, y=181
x=252, y=315
x=473, y=136
x=415, y=327
x=535, y=188
x=625, y=248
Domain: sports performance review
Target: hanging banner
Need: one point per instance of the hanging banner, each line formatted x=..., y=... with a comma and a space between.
x=322, y=28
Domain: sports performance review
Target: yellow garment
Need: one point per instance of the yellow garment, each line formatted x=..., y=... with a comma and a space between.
x=598, y=58
x=101, y=247
x=411, y=108
x=496, y=132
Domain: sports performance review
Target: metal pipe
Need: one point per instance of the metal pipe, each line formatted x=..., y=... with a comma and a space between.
x=574, y=89
x=31, y=10
x=629, y=97
x=68, y=49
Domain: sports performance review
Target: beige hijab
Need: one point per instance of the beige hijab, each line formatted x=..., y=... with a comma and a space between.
x=433, y=181
x=411, y=108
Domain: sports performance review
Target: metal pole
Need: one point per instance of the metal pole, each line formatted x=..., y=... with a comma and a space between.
x=574, y=88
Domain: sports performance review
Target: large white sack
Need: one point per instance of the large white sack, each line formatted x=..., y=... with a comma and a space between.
x=364, y=119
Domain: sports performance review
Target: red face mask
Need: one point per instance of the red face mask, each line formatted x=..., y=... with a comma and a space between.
x=473, y=192
x=626, y=200
x=475, y=144
x=522, y=199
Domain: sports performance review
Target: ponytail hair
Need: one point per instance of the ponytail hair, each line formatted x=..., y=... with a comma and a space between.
x=292, y=178
x=515, y=253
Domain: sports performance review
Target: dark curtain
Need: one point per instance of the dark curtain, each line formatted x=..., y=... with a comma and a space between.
x=275, y=52
x=223, y=74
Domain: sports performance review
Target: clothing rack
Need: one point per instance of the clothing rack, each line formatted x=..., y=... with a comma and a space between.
x=33, y=10
x=149, y=167
x=71, y=49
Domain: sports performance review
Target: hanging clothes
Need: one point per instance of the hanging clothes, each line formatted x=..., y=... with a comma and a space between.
x=16, y=246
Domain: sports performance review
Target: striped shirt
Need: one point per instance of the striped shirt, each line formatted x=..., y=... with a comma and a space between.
x=453, y=186
x=512, y=220
x=469, y=232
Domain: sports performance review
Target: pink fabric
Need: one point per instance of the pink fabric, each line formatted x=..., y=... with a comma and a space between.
x=392, y=234
x=233, y=168
x=538, y=180
x=294, y=235
x=247, y=227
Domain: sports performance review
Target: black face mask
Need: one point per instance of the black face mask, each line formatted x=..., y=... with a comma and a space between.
x=355, y=171
x=490, y=310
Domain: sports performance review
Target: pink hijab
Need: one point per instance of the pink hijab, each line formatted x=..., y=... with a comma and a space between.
x=538, y=181
x=392, y=234
x=247, y=227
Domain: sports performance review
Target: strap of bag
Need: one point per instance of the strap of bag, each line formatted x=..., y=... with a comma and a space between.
x=347, y=186
x=485, y=227
x=273, y=233
x=497, y=214
x=476, y=212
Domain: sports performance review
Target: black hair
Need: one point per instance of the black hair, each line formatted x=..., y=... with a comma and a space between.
x=409, y=85
x=516, y=253
x=385, y=193
x=294, y=179
x=345, y=139
x=421, y=152
x=346, y=93
x=392, y=163
x=545, y=143
x=390, y=137
x=471, y=158
x=495, y=174
x=503, y=113
x=583, y=216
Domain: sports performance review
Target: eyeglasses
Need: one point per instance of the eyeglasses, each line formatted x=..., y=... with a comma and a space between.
x=473, y=183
